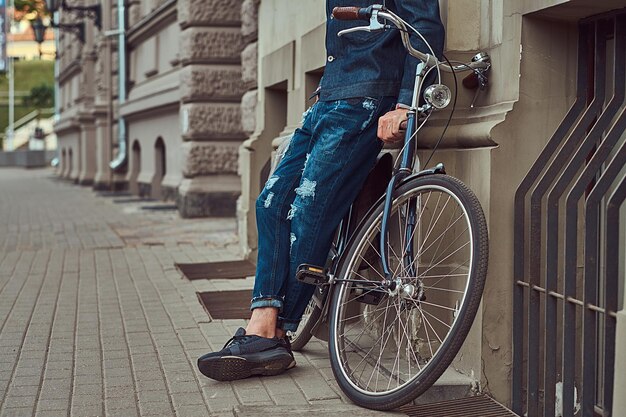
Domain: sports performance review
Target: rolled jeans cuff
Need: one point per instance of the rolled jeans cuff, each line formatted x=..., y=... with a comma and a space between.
x=259, y=302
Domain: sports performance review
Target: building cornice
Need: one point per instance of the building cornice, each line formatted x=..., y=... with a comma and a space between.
x=152, y=23
x=70, y=71
x=66, y=125
x=160, y=91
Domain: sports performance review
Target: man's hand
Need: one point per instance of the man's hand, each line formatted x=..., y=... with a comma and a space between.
x=389, y=129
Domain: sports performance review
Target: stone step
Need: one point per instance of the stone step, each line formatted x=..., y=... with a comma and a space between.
x=325, y=410
x=451, y=385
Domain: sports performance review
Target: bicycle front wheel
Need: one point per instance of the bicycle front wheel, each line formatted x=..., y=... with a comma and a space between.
x=389, y=343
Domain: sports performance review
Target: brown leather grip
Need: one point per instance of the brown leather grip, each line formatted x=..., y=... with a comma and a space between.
x=347, y=13
x=471, y=81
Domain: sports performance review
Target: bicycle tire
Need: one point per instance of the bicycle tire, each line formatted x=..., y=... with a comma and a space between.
x=303, y=334
x=462, y=320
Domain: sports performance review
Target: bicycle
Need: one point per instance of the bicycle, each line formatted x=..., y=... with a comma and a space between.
x=404, y=280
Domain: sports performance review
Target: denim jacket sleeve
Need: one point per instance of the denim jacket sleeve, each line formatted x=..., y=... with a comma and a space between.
x=424, y=16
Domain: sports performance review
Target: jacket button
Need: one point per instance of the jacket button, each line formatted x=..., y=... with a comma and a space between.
x=331, y=58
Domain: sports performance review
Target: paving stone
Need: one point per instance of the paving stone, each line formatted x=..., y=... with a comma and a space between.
x=53, y=404
x=90, y=389
x=189, y=398
x=194, y=410
x=80, y=400
x=160, y=408
x=17, y=412
x=87, y=411
x=20, y=402
x=122, y=412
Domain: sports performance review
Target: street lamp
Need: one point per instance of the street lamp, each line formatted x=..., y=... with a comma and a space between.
x=93, y=12
x=40, y=31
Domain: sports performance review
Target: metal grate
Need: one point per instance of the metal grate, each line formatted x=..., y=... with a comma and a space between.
x=479, y=406
x=568, y=204
x=217, y=270
x=222, y=305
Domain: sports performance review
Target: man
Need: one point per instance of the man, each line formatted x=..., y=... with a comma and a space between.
x=369, y=78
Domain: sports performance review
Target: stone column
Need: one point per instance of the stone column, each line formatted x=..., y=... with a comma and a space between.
x=249, y=77
x=87, y=151
x=104, y=66
x=211, y=90
x=86, y=102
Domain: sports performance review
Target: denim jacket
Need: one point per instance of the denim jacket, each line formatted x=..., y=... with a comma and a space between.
x=362, y=64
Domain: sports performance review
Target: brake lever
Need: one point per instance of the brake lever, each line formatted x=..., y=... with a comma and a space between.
x=482, y=85
x=374, y=25
x=354, y=29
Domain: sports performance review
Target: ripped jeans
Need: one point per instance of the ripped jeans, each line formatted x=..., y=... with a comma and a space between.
x=303, y=202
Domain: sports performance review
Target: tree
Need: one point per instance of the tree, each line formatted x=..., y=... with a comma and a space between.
x=23, y=7
x=41, y=97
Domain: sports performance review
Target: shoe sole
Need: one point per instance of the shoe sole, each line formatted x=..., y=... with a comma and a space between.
x=230, y=368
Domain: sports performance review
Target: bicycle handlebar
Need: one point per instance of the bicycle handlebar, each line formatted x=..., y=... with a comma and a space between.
x=480, y=61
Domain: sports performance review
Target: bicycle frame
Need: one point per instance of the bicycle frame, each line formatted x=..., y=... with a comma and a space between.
x=406, y=168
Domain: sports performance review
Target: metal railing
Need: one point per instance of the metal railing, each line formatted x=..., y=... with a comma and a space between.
x=565, y=302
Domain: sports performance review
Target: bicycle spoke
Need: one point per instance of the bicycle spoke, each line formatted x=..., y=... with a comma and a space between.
x=437, y=318
x=438, y=306
x=422, y=251
x=442, y=276
x=448, y=226
x=440, y=262
x=374, y=344
x=443, y=289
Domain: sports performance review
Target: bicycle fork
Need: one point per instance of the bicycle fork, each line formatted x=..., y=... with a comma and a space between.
x=406, y=169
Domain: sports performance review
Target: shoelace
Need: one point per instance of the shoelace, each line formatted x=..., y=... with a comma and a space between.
x=237, y=340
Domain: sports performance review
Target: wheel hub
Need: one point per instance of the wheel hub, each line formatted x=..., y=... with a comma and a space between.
x=406, y=288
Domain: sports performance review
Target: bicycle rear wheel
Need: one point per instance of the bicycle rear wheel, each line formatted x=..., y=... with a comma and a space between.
x=389, y=344
x=310, y=317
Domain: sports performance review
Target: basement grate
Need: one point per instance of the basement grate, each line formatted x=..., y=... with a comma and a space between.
x=132, y=200
x=114, y=194
x=223, y=305
x=161, y=207
x=479, y=406
x=217, y=270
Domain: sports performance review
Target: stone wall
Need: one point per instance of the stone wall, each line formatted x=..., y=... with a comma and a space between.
x=211, y=89
x=249, y=63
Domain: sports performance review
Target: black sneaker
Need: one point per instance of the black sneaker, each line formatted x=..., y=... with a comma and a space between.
x=244, y=356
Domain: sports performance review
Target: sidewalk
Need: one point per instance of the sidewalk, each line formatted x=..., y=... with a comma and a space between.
x=95, y=320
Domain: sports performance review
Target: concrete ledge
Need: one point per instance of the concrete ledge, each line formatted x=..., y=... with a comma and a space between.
x=208, y=196
x=169, y=193
x=26, y=159
x=450, y=386
x=209, y=204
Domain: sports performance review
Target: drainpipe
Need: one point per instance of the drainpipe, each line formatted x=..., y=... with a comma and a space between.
x=119, y=162
x=57, y=94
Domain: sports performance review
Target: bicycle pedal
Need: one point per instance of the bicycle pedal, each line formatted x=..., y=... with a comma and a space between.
x=311, y=274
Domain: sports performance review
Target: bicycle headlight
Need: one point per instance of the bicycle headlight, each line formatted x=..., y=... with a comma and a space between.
x=438, y=95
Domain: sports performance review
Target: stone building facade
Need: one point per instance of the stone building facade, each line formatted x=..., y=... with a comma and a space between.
x=181, y=104
x=490, y=146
